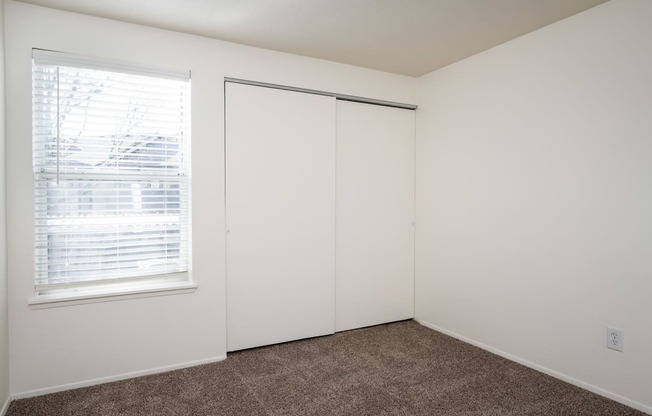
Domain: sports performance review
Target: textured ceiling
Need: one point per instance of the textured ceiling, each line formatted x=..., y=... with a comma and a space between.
x=410, y=37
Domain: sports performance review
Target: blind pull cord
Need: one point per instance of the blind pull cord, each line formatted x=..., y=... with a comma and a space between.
x=58, y=123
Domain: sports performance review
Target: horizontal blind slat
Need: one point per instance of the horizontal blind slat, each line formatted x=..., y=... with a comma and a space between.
x=94, y=263
x=104, y=279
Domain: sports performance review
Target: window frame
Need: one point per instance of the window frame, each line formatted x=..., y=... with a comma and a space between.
x=101, y=290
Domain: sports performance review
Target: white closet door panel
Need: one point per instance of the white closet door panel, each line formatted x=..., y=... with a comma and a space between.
x=280, y=204
x=375, y=214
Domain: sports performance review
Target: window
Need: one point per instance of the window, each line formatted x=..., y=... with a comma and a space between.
x=111, y=174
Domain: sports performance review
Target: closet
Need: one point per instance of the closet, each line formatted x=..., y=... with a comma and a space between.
x=319, y=215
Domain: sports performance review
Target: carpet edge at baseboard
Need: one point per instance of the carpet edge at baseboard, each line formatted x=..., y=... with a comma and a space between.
x=109, y=379
x=561, y=376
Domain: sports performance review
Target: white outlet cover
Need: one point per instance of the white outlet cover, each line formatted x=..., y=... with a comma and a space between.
x=615, y=338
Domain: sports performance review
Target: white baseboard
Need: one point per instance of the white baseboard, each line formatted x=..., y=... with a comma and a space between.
x=5, y=407
x=118, y=377
x=579, y=383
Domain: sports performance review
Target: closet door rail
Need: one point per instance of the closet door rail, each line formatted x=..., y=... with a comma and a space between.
x=343, y=97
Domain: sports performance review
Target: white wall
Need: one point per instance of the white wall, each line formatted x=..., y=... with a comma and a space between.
x=534, y=198
x=4, y=342
x=54, y=347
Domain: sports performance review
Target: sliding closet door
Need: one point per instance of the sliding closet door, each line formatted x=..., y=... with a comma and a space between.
x=280, y=207
x=375, y=214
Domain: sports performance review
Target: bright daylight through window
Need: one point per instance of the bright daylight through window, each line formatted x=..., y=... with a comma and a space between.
x=111, y=175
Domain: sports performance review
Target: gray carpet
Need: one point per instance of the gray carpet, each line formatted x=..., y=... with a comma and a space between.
x=395, y=369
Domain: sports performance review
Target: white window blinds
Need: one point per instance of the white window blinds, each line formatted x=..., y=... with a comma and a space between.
x=111, y=173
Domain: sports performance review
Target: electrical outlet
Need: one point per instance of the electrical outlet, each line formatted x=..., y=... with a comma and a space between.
x=615, y=338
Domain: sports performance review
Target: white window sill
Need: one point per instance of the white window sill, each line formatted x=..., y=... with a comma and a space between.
x=109, y=295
